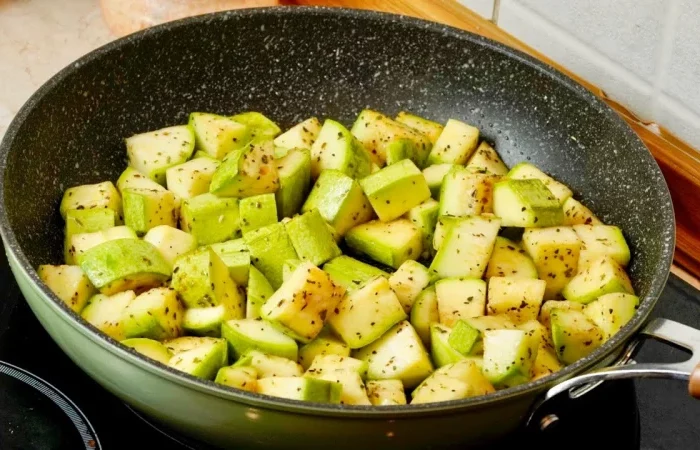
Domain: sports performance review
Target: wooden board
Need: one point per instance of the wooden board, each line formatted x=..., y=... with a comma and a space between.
x=679, y=162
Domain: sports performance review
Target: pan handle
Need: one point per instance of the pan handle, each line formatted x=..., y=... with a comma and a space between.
x=625, y=367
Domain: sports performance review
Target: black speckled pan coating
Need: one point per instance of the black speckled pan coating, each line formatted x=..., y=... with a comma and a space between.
x=294, y=63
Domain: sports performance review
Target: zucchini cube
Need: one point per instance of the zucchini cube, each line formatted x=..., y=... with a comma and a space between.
x=210, y=219
x=153, y=152
x=526, y=203
x=389, y=243
x=395, y=189
x=455, y=144
x=257, y=211
x=340, y=200
x=218, y=135
x=294, y=172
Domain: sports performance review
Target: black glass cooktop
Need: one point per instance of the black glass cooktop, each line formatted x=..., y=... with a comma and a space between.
x=47, y=403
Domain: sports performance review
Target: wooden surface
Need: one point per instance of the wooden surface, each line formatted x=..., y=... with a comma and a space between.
x=677, y=160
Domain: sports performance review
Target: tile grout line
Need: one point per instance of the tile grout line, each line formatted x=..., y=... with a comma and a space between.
x=664, y=56
x=494, y=12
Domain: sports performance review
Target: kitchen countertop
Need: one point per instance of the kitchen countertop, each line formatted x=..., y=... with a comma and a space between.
x=38, y=38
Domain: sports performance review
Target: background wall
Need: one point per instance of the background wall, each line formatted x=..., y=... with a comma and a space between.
x=645, y=54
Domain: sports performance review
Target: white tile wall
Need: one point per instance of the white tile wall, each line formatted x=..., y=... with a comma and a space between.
x=645, y=54
x=482, y=7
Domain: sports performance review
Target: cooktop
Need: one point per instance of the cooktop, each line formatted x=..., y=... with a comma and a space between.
x=48, y=403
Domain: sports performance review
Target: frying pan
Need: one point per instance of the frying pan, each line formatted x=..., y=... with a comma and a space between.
x=290, y=64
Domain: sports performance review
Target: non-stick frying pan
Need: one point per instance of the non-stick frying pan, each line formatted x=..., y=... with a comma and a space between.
x=290, y=64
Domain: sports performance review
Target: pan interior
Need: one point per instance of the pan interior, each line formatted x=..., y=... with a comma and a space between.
x=291, y=65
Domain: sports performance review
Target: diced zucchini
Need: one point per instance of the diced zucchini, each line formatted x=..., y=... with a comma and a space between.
x=257, y=211
x=336, y=148
x=601, y=240
x=466, y=193
x=386, y=392
x=363, y=315
x=294, y=171
x=247, y=171
x=325, y=344
x=81, y=243
x=124, y=264
x=574, y=335
x=395, y=189
x=340, y=200
x=408, y=282
x=150, y=348
x=155, y=314
x=261, y=128
x=602, y=276
x=311, y=238
x=202, y=361
x=133, y=179
x=299, y=307
x=191, y=178
x=425, y=216
x=69, y=283
x=389, y=243
x=462, y=379
x=244, y=378
x=460, y=298
x=269, y=365
x=508, y=259
x=210, y=219
x=575, y=213
x=329, y=363
x=297, y=388
x=528, y=171
x=509, y=356
x=612, y=311
x=518, y=298
x=259, y=290
x=440, y=349
x=399, y=354
x=269, y=248
x=353, y=388
x=170, y=242
x=376, y=132
x=549, y=305
x=106, y=313
x=485, y=158
x=145, y=209
x=350, y=273
x=91, y=196
x=486, y=323
x=428, y=127
x=467, y=247
x=202, y=280
x=464, y=338
x=234, y=253
x=425, y=312
x=205, y=321
x=455, y=144
x=555, y=252
x=80, y=221
x=301, y=135
x=153, y=152
x=218, y=135
x=434, y=176
x=401, y=149
x=545, y=364
x=443, y=225
x=526, y=203
x=250, y=334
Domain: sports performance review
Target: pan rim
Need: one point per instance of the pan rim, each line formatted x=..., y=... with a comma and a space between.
x=350, y=411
